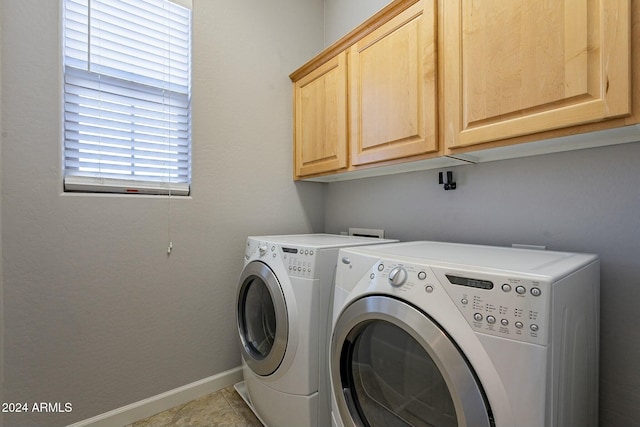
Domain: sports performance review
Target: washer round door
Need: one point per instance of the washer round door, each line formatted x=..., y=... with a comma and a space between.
x=262, y=318
x=391, y=365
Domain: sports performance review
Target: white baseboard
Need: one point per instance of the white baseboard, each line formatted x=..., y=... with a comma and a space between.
x=161, y=402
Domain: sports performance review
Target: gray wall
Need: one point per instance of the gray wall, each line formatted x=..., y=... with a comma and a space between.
x=95, y=312
x=342, y=16
x=1, y=275
x=587, y=200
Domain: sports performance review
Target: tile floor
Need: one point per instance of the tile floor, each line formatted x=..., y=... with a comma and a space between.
x=222, y=408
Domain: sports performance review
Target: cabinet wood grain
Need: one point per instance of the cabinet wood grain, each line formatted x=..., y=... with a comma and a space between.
x=519, y=68
x=393, y=87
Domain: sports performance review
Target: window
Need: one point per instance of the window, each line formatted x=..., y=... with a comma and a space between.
x=127, y=96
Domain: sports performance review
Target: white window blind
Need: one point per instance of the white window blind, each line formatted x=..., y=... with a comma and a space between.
x=127, y=96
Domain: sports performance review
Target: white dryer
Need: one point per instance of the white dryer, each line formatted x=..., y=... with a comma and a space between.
x=283, y=310
x=441, y=334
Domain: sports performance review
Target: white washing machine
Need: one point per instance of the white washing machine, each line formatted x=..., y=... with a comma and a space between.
x=283, y=310
x=441, y=334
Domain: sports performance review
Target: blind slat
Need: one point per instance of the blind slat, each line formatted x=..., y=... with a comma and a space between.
x=178, y=151
x=77, y=113
x=86, y=130
x=143, y=168
x=119, y=90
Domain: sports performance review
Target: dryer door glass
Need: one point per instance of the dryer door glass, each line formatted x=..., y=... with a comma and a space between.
x=392, y=365
x=396, y=382
x=262, y=318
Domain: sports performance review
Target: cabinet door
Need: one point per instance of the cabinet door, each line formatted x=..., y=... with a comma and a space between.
x=514, y=68
x=393, y=87
x=321, y=119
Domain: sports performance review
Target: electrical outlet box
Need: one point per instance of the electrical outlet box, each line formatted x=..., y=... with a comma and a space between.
x=534, y=247
x=366, y=232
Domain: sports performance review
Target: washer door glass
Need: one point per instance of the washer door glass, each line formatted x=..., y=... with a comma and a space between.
x=262, y=318
x=392, y=365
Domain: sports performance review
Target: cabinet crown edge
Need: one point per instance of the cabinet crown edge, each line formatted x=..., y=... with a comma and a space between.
x=389, y=11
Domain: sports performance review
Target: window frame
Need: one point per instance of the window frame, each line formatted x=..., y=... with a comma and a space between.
x=168, y=168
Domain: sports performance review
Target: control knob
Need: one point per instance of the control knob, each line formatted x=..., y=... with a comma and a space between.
x=397, y=276
x=263, y=249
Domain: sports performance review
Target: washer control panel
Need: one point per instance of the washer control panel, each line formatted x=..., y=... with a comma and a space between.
x=495, y=304
x=299, y=261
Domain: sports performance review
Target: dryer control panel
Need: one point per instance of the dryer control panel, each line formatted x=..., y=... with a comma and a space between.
x=505, y=306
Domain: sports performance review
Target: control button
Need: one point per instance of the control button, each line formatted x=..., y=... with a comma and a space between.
x=380, y=267
x=422, y=275
x=311, y=252
x=397, y=276
x=429, y=288
x=491, y=319
x=519, y=325
x=506, y=287
x=534, y=327
x=290, y=268
x=504, y=322
x=521, y=290
x=372, y=276
x=346, y=260
x=306, y=251
x=464, y=301
x=536, y=292
x=273, y=248
x=477, y=317
x=263, y=249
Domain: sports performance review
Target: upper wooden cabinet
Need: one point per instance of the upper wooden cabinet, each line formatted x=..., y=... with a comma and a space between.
x=392, y=89
x=321, y=119
x=371, y=98
x=518, y=68
x=433, y=81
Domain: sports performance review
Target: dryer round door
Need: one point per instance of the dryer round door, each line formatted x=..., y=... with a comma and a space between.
x=392, y=365
x=262, y=318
